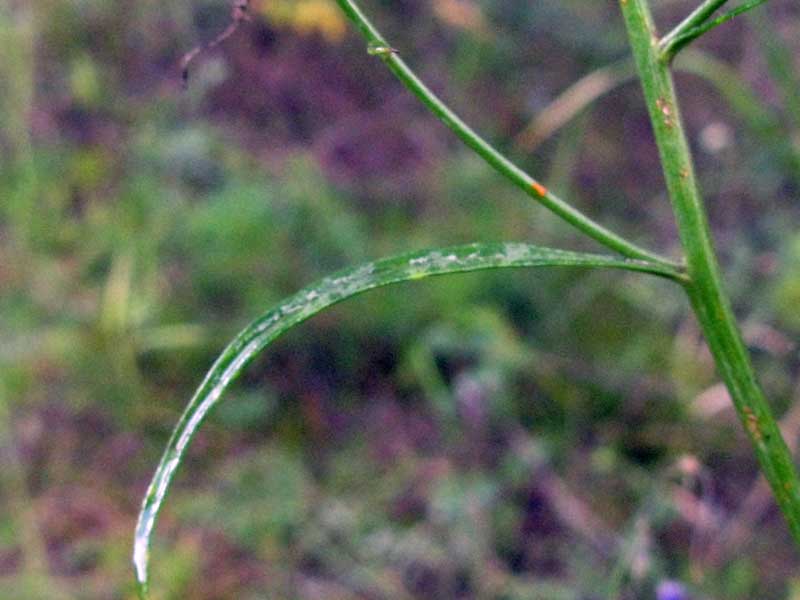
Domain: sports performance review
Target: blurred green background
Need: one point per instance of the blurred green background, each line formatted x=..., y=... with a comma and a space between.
x=522, y=435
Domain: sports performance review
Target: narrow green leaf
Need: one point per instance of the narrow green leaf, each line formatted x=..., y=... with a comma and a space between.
x=314, y=299
x=671, y=46
x=697, y=17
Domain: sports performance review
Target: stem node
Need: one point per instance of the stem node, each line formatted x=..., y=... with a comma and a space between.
x=381, y=50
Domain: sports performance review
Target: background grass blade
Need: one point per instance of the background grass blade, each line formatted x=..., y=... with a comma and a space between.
x=573, y=101
x=314, y=299
x=579, y=96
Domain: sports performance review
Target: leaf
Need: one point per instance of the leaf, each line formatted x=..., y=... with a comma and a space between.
x=311, y=300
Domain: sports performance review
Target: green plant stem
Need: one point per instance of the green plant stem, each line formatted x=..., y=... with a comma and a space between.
x=670, y=46
x=378, y=46
x=696, y=18
x=705, y=289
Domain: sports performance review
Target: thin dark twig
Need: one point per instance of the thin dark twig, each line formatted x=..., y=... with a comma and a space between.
x=239, y=14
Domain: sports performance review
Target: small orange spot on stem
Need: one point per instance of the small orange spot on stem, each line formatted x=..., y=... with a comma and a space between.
x=539, y=188
x=753, y=426
x=666, y=111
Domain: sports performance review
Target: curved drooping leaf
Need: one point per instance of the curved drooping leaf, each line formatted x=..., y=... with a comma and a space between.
x=313, y=299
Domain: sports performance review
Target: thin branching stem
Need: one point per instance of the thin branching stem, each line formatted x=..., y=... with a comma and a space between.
x=706, y=290
x=696, y=18
x=670, y=46
x=378, y=46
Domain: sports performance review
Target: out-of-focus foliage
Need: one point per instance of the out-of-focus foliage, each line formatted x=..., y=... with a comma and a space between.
x=485, y=436
x=307, y=16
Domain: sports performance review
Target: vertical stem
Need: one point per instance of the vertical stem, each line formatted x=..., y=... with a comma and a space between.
x=705, y=289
